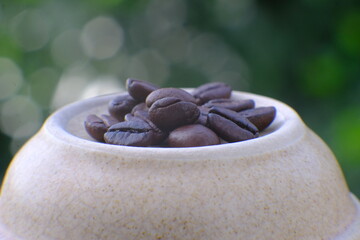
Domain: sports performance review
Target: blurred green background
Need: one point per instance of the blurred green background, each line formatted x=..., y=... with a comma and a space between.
x=303, y=52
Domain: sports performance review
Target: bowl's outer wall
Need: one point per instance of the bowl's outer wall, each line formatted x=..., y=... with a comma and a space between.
x=58, y=190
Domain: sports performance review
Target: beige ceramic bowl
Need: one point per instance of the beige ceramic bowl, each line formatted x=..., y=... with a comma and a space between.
x=284, y=185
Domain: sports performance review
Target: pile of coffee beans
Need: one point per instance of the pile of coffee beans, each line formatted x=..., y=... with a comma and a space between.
x=172, y=117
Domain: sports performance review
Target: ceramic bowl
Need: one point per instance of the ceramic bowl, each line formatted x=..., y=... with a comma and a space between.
x=285, y=184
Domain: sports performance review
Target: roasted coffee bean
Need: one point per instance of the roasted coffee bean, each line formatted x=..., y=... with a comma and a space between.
x=210, y=91
x=138, y=89
x=121, y=105
x=193, y=116
x=140, y=110
x=170, y=112
x=202, y=119
x=169, y=92
x=139, y=107
x=235, y=105
x=227, y=129
x=261, y=117
x=108, y=120
x=95, y=127
x=130, y=117
x=193, y=135
x=142, y=114
x=234, y=117
x=133, y=133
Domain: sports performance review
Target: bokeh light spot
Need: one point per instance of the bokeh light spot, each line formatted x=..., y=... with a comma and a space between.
x=20, y=117
x=149, y=65
x=208, y=53
x=31, y=29
x=11, y=78
x=162, y=16
x=102, y=37
x=119, y=66
x=71, y=85
x=102, y=85
x=66, y=48
x=174, y=45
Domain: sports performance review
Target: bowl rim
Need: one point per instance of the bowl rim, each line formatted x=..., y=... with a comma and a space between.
x=288, y=130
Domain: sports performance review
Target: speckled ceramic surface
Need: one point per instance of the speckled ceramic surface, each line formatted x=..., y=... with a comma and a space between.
x=284, y=185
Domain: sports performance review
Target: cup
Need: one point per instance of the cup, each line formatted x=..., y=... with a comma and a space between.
x=286, y=184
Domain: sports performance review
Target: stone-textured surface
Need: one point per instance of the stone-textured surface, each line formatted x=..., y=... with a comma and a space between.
x=284, y=185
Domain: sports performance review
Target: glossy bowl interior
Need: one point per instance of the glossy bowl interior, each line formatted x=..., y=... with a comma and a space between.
x=285, y=184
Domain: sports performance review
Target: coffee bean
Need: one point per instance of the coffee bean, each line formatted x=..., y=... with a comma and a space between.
x=210, y=91
x=227, y=129
x=193, y=135
x=121, y=105
x=202, y=119
x=139, y=107
x=138, y=89
x=234, y=117
x=169, y=92
x=95, y=127
x=133, y=133
x=261, y=117
x=140, y=110
x=130, y=117
x=169, y=113
x=142, y=114
x=199, y=119
x=108, y=120
x=235, y=105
